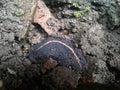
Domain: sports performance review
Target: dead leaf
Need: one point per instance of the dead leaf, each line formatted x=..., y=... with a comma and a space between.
x=44, y=18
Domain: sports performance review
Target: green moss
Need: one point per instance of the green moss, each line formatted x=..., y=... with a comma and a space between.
x=19, y=12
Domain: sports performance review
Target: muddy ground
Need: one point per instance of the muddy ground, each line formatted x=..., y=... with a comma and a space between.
x=93, y=25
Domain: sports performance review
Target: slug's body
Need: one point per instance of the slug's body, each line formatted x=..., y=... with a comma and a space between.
x=60, y=49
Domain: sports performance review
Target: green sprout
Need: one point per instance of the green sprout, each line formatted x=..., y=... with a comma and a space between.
x=75, y=5
x=19, y=12
x=87, y=9
x=81, y=13
x=78, y=14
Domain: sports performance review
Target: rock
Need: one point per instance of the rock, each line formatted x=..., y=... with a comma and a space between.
x=4, y=51
x=8, y=36
x=102, y=72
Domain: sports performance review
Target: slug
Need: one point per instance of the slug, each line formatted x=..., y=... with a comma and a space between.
x=60, y=49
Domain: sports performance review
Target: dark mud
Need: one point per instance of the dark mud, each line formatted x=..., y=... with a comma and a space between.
x=96, y=31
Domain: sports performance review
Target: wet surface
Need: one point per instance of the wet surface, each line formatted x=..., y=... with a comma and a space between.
x=94, y=29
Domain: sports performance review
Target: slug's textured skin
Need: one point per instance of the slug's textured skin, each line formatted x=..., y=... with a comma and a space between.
x=60, y=49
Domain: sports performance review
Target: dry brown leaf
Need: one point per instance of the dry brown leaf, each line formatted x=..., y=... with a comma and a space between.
x=44, y=18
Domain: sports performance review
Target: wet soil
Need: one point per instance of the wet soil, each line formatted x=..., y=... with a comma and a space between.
x=90, y=25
